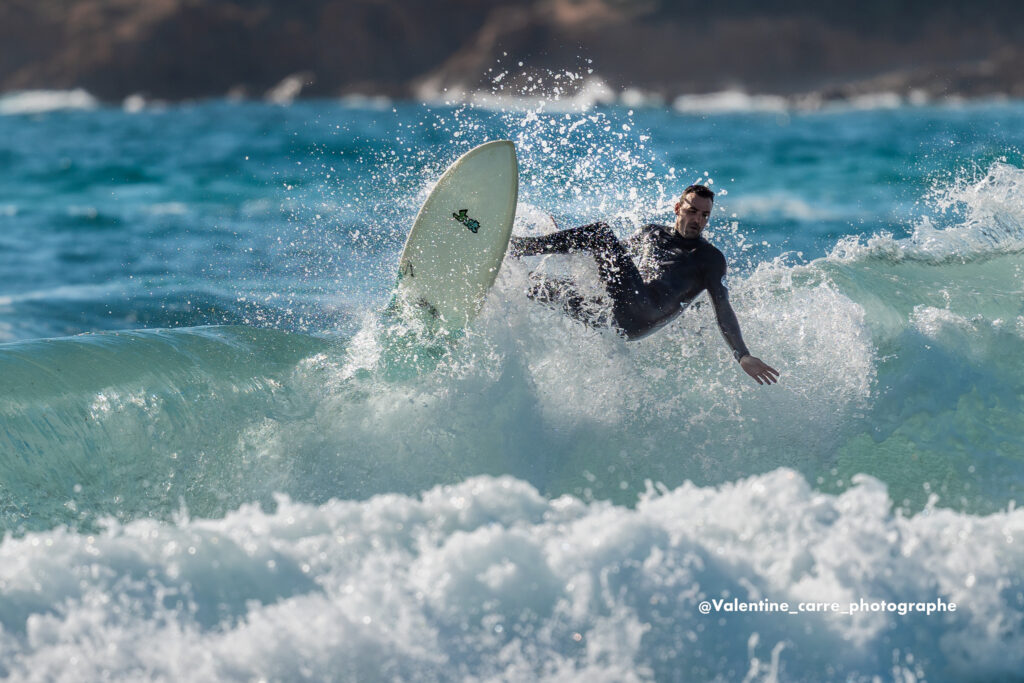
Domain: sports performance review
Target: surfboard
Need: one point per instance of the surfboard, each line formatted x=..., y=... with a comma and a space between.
x=458, y=241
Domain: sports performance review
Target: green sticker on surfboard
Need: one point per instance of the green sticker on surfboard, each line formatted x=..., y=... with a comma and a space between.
x=463, y=217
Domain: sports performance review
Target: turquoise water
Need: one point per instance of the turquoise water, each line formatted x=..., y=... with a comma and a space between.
x=211, y=439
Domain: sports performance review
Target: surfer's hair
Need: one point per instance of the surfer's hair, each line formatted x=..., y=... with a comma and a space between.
x=700, y=191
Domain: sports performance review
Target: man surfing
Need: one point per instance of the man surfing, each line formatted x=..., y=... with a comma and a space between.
x=679, y=264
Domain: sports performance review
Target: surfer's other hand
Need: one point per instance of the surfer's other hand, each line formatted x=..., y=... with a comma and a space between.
x=759, y=370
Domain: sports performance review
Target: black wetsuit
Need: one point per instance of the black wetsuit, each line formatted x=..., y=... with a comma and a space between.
x=677, y=269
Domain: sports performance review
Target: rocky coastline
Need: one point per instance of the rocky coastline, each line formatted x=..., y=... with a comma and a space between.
x=655, y=49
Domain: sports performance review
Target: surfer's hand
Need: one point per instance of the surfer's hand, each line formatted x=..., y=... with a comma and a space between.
x=759, y=370
x=553, y=221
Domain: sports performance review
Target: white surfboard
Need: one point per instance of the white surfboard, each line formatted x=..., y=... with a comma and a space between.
x=456, y=246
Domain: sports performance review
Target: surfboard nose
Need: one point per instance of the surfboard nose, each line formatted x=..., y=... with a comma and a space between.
x=499, y=147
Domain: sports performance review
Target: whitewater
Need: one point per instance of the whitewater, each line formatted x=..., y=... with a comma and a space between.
x=219, y=461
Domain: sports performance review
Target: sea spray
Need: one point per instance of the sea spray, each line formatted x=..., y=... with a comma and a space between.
x=490, y=579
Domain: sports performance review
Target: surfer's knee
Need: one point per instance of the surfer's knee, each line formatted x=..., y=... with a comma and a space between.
x=540, y=289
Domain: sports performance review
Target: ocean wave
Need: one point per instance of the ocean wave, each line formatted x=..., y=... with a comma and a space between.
x=488, y=579
x=974, y=216
x=349, y=419
x=375, y=409
x=131, y=304
x=857, y=339
x=220, y=416
x=132, y=420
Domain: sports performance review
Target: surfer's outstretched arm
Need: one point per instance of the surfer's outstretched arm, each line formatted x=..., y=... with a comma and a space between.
x=730, y=327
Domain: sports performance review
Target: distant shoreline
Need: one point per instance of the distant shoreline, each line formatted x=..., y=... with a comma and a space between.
x=725, y=102
x=177, y=50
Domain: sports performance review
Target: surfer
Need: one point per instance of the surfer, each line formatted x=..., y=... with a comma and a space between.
x=679, y=264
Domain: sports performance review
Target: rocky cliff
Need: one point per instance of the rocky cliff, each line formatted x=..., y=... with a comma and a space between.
x=175, y=49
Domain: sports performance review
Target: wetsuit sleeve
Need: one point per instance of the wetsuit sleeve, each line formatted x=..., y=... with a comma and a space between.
x=727, y=322
x=633, y=242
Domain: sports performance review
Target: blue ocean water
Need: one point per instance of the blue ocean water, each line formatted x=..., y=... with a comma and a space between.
x=218, y=461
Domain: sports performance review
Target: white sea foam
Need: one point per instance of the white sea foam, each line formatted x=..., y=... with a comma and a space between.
x=781, y=205
x=881, y=100
x=570, y=92
x=289, y=88
x=65, y=292
x=489, y=580
x=133, y=104
x=739, y=101
x=42, y=101
x=635, y=97
x=580, y=93
x=974, y=215
x=728, y=101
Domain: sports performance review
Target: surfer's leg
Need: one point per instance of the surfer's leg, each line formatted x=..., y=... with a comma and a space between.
x=614, y=265
x=583, y=238
x=619, y=274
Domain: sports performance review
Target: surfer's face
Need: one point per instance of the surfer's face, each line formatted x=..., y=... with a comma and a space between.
x=692, y=213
